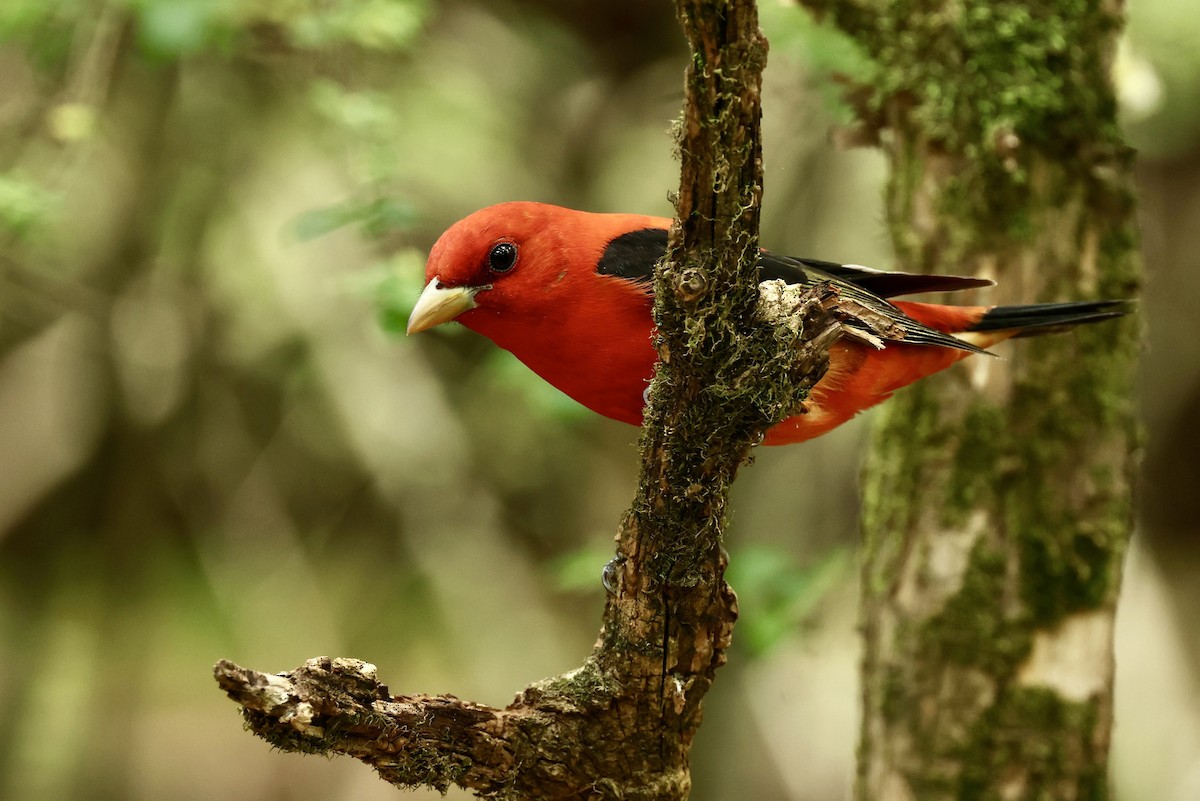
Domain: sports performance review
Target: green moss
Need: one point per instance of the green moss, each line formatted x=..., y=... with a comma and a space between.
x=1029, y=733
x=1072, y=531
x=892, y=483
x=421, y=765
x=992, y=85
x=1069, y=566
x=973, y=629
x=1035, y=733
x=987, y=67
x=977, y=460
x=896, y=695
x=1001, y=129
x=585, y=688
x=285, y=738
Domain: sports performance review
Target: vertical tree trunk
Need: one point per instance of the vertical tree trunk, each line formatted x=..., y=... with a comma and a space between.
x=998, y=497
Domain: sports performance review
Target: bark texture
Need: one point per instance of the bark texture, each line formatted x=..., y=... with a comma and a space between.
x=622, y=725
x=998, y=498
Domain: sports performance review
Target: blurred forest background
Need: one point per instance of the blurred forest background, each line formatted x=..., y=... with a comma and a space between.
x=214, y=443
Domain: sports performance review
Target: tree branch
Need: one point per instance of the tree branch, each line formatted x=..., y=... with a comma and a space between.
x=624, y=721
x=733, y=362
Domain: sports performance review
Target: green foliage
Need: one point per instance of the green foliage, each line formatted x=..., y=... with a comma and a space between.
x=377, y=218
x=393, y=285
x=776, y=595
x=373, y=24
x=823, y=48
x=172, y=29
x=23, y=204
x=44, y=29
x=502, y=374
x=369, y=119
x=362, y=111
x=580, y=570
x=168, y=30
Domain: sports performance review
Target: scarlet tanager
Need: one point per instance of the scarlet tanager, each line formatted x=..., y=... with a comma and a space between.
x=569, y=293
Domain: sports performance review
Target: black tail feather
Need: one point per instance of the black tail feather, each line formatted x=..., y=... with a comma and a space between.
x=1048, y=318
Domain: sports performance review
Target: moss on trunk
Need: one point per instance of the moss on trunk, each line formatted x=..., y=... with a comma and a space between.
x=997, y=498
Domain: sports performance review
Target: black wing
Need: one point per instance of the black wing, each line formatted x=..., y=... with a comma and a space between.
x=878, y=282
x=632, y=256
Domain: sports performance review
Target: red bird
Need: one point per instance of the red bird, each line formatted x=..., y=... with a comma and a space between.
x=569, y=293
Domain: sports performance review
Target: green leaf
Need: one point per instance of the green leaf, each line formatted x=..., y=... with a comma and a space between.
x=171, y=29
x=777, y=595
x=372, y=24
x=395, y=286
x=314, y=223
x=581, y=570
x=378, y=217
x=23, y=204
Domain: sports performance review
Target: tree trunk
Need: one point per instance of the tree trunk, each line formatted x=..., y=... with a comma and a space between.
x=997, y=499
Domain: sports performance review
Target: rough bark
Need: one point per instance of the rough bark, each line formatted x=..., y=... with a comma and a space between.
x=997, y=501
x=621, y=726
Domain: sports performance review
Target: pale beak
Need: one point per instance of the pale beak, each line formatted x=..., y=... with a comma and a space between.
x=440, y=304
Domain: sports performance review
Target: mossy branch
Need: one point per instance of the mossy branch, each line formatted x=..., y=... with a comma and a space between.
x=733, y=363
x=624, y=721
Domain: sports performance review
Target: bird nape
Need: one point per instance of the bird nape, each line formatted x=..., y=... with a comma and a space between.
x=569, y=293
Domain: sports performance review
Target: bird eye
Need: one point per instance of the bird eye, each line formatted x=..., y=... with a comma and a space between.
x=502, y=257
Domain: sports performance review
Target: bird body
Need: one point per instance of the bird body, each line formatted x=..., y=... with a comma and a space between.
x=569, y=293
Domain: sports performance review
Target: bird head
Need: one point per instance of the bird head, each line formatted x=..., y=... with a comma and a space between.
x=500, y=260
x=551, y=286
